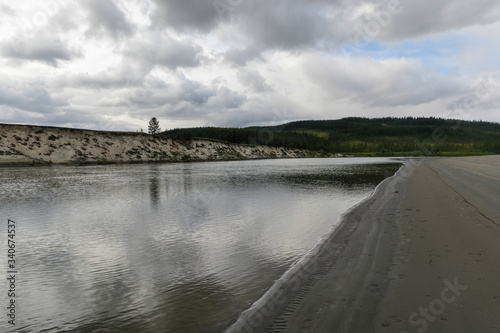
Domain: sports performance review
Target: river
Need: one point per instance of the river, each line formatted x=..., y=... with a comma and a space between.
x=166, y=247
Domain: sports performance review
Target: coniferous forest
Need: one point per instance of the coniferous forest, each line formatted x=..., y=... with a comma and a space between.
x=363, y=136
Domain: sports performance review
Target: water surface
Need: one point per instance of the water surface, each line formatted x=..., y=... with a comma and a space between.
x=167, y=247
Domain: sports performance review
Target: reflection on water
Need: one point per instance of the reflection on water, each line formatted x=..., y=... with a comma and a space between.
x=167, y=247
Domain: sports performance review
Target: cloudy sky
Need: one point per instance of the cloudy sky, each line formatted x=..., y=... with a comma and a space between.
x=114, y=64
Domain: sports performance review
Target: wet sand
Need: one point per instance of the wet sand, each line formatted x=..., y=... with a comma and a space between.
x=421, y=255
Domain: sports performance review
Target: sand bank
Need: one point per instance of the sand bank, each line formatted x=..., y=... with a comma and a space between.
x=422, y=254
x=45, y=145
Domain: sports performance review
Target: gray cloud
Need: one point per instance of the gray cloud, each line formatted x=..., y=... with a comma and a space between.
x=166, y=52
x=67, y=117
x=107, y=80
x=421, y=18
x=391, y=83
x=7, y=10
x=83, y=118
x=106, y=18
x=259, y=114
x=282, y=25
x=156, y=94
x=49, y=50
x=125, y=75
x=195, y=92
x=302, y=24
x=253, y=80
x=32, y=97
x=482, y=95
x=188, y=98
x=241, y=55
x=226, y=99
x=185, y=15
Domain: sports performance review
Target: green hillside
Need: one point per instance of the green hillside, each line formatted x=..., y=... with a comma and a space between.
x=363, y=136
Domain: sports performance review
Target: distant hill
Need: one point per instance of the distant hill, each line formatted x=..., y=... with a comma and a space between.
x=363, y=136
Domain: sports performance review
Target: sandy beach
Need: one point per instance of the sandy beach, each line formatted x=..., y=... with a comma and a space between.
x=422, y=254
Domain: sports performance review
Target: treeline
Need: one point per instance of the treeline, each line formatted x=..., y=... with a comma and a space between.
x=380, y=136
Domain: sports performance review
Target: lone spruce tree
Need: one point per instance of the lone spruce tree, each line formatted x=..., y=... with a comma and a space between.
x=154, y=126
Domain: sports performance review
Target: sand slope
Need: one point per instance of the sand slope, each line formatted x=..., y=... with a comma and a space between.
x=25, y=144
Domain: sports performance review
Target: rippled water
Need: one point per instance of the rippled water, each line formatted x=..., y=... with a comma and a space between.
x=166, y=247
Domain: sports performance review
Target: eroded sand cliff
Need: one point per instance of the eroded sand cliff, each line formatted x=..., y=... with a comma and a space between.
x=27, y=144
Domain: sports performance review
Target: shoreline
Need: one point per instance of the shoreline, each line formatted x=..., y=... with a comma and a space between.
x=422, y=253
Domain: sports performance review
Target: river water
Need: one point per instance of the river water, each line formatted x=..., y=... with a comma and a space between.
x=165, y=247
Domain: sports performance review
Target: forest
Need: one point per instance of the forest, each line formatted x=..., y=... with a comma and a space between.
x=364, y=136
